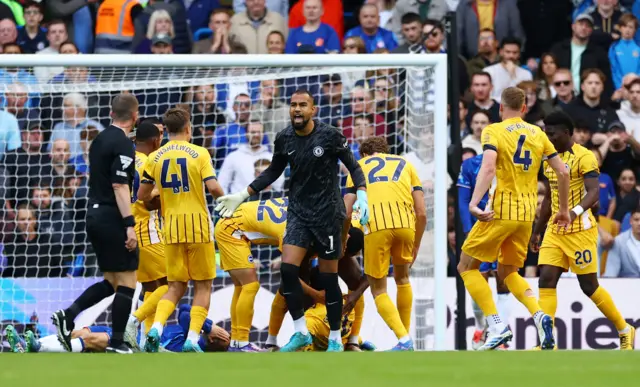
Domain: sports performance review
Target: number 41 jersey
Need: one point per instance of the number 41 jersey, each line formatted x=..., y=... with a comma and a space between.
x=391, y=181
x=521, y=147
x=179, y=170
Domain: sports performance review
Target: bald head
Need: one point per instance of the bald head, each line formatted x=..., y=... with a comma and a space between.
x=8, y=31
x=60, y=152
x=313, y=11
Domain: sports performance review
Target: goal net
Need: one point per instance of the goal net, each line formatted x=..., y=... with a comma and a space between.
x=47, y=125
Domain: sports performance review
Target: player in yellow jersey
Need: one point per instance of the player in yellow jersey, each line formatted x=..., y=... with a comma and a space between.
x=513, y=154
x=179, y=170
x=152, y=271
x=575, y=247
x=263, y=223
x=397, y=220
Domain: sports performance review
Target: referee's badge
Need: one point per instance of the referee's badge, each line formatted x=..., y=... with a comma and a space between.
x=318, y=151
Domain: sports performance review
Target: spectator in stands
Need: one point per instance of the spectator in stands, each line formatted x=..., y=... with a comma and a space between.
x=388, y=106
x=362, y=103
x=544, y=76
x=159, y=23
x=433, y=32
x=53, y=218
x=619, y=151
x=29, y=253
x=352, y=45
x=18, y=75
x=280, y=7
x=623, y=258
x=434, y=9
x=487, y=52
x=81, y=162
x=9, y=133
x=606, y=15
x=230, y=136
x=563, y=85
x=56, y=35
x=77, y=16
x=15, y=102
x=275, y=43
x=332, y=105
x=71, y=74
x=270, y=109
x=624, y=54
x=507, y=73
x=536, y=109
x=251, y=28
x=629, y=113
x=268, y=193
x=335, y=18
x=474, y=16
x=25, y=167
x=481, y=86
x=237, y=169
x=206, y=115
x=218, y=42
x=374, y=37
x=8, y=31
x=161, y=44
x=6, y=13
x=32, y=37
x=176, y=8
x=315, y=33
x=363, y=128
x=74, y=119
x=199, y=12
x=411, y=32
x=628, y=197
x=580, y=45
x=463, y=109
x=582, y=134
x=591, y=104
x=473, y=140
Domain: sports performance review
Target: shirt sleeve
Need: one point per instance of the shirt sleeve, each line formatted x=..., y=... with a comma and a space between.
x=463, y=178
x=122, y=165
x=416, y=184
x=548, y=149
x=588, y=166
x=148, y=171
x=343, y=150
x=278, y=164
x=489, y=139
x=206, y=167
x=333, y=42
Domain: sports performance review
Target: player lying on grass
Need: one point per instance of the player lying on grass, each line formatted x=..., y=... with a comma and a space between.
x=575, y=247
x=96, y=338
x=466, y=185
x=264, y=223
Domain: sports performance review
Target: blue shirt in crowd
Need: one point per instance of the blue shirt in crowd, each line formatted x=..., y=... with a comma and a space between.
x=227, y=138
x=9, y=133
x=466, y=185
x=31, y=46
x=624, y=56
x=382, y=39
x=607, y=192
x=324, y=39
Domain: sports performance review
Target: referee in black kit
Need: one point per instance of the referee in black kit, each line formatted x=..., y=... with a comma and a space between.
x=110, y=225
x=316, y=215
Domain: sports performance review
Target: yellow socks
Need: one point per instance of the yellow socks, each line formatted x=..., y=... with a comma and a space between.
x=604, y=302
x=278, y=311
x=480, y=291
x=518, y=286
x=390, y=315
x=244, y=310
x=147, y=311
x=358, y=311
x=198, y=315
x=404, y=300
x=234, y=317
x=163, y=311
x=548, y=301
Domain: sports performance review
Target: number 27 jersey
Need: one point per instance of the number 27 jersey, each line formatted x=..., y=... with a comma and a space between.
x=521, y=147
x=179, y=170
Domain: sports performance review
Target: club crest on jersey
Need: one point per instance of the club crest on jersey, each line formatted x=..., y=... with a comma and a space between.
x=250, y=259
x=318, y=151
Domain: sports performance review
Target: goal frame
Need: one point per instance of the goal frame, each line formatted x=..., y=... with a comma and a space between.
x=440, y=78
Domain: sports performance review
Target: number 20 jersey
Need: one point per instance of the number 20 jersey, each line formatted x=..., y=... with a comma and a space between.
x=179, y=170
x=521, y=147
x=391, y=181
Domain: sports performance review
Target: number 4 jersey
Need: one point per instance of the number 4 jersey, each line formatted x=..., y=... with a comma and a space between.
x=179, y=170
x=521, y=147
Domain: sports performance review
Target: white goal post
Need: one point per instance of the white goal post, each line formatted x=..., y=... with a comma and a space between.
x=424, y=136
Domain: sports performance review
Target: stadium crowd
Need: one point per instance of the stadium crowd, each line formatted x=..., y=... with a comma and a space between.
x=585, y=60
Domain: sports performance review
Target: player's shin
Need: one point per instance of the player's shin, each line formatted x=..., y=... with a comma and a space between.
x=333, y=294
x=480, y=292
x=358, y=310
x=292, y=292
x=276, y=317
x=521, y=290
x=602, y=299
x=120, y=313
x=548, y=301
x=244, y=312
x=150, y=305
x=404, y=301
x=237, y=289
x=199, y=309
x=91, y=296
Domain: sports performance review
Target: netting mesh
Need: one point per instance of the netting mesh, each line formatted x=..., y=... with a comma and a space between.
x=46, y=130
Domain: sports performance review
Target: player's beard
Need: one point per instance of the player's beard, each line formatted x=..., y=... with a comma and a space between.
x=299, y=126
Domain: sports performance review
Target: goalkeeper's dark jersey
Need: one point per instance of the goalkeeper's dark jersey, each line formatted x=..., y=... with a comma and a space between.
x=314, y=195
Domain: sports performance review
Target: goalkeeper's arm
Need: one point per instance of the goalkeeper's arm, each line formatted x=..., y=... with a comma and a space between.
x=269, y=175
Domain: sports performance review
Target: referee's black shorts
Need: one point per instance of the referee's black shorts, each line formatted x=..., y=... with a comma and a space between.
x=108, y=235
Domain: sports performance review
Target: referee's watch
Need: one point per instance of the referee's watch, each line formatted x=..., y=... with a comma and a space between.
x=129, y=221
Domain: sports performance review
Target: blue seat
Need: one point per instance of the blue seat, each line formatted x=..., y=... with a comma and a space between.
x=202, y=33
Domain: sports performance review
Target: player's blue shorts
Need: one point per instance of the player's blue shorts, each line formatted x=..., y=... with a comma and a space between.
x=486, y=267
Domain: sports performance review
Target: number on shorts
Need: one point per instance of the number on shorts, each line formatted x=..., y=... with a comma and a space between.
x=330, y=242
x=136, y=185
x=373, y=178
x=522, y=156
x=583, y=257
x=271, y=212
x=176, y=183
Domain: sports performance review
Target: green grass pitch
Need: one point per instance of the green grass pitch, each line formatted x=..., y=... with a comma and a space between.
x=510, y=368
